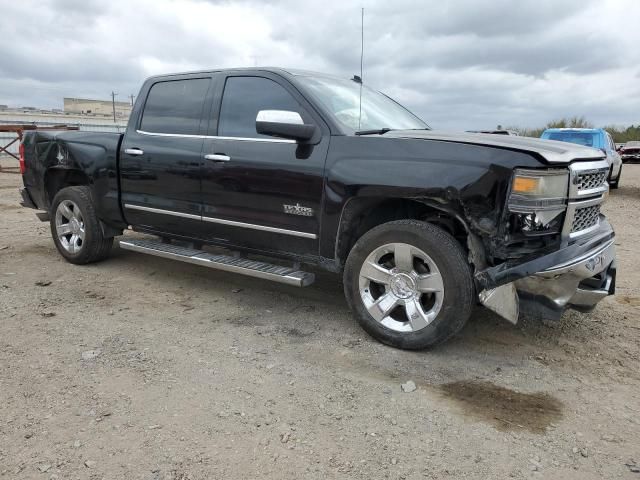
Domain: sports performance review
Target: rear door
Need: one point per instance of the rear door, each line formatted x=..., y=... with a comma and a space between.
x=266, y=193
x=160, y=157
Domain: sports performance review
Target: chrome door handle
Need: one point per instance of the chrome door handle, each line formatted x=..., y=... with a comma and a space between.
x=134, y=151
x=216, y=157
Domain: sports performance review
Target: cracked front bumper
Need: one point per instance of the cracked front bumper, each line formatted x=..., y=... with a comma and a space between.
x=579, y=283
x=577, y=276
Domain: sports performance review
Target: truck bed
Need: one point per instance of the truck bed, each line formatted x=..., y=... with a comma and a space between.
x=52, y=157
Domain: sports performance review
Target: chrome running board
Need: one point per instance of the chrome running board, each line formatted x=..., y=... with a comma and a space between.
x=252, y=268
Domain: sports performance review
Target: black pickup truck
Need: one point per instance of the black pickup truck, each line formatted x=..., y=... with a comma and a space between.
x=309, y=169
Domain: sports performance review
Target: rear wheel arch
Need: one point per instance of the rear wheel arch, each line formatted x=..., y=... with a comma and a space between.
x=56, y=179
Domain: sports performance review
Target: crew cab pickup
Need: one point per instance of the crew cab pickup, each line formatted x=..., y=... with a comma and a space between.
x=288, y=169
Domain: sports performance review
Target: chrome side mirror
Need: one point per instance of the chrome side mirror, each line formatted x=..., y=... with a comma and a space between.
x=284, y=124
x=279, y=116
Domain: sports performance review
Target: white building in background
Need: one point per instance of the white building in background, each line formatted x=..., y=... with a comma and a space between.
x=96, y=107
x=48, y=118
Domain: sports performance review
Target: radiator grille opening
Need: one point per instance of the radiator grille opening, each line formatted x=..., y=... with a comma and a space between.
x=585, y=218
x=590, y=180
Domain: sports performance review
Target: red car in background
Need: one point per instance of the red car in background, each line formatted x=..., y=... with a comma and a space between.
x=630, y=152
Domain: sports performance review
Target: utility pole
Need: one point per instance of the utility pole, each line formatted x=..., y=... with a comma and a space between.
x=113, y=102
x=132, y=97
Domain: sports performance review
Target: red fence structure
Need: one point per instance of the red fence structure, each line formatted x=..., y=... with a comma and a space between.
x=19, y=130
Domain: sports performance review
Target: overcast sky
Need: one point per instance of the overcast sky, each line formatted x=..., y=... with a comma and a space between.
x=457, y=64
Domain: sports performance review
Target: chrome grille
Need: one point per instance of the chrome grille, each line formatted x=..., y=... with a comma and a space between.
x=591, y=180
x=587, y=189
x=585, y=218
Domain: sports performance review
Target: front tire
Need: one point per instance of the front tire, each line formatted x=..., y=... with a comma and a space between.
x=409, y=284
x=615, y=184
x=75, y=227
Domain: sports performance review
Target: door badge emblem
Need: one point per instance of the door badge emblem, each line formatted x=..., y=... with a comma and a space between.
x=298, y=209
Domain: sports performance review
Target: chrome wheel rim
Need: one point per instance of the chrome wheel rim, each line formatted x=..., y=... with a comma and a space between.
x=70, y=226
x=401, y=287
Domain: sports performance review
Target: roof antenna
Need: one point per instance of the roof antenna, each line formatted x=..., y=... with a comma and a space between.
x=356, y=78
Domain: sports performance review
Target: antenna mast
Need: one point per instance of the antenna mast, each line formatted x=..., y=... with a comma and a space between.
x=361, y=61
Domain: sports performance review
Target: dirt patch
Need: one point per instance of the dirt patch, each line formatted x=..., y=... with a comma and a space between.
x=11, y=207
x=628, y=191
x=153, y=369
x=506, y=409
x=627, y=300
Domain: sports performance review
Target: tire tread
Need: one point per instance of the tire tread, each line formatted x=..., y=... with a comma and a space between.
x=457, y=269
x=98, y=247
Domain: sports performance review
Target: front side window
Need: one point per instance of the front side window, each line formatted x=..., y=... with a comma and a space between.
x=244, y=97
x=175, y=107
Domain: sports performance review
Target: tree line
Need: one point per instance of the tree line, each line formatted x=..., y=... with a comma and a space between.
x=619, y=133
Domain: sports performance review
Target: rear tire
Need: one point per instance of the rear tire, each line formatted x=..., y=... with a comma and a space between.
x=75, y=227
x=409, y=285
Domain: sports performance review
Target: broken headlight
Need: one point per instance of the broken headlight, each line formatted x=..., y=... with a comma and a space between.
x=537, y=201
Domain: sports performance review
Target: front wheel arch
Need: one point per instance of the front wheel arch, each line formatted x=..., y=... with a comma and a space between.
x=361, y=214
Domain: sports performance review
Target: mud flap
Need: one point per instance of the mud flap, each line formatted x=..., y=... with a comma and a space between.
x=502, y=300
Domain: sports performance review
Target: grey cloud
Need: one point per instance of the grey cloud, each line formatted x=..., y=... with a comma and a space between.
x=458, y=64
x=487, y=19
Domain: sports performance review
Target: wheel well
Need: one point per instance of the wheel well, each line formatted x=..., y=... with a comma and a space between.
x=57, y=179
x=369, y=213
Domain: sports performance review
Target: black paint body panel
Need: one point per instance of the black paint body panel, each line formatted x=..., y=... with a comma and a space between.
x=332, y=177
x=94, y=155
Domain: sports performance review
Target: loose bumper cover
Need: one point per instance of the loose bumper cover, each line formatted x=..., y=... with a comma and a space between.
x=577, y=276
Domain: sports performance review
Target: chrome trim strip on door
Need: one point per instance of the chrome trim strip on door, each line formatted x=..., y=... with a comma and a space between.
x=215, y=137
x=222, y=221
x=165, y=212
x=263, y=228
x=249, y=139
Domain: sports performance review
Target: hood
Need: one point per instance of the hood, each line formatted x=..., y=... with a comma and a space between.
x=550, y=150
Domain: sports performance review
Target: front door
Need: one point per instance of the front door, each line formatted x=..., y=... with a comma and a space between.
x=261, y=192
x=160, y=158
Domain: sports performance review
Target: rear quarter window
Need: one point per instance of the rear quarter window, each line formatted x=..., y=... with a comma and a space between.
x=175, y=106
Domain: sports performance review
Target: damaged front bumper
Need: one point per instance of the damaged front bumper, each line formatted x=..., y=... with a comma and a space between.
x=577, y=276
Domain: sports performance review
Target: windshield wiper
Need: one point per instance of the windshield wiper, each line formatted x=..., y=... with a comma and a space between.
x=378, y=131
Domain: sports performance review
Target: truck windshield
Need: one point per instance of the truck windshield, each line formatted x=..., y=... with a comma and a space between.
x=588, y=139
x=342, y=99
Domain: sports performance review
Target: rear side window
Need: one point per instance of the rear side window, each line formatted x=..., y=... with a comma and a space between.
x=244, y=97
x=175, y=107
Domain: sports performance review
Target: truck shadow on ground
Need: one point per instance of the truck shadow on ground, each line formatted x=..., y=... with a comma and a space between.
x=627, y=191
x=472, y=374
x=322, y=308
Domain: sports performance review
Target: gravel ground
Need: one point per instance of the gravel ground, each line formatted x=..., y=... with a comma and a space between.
x=144, y=368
